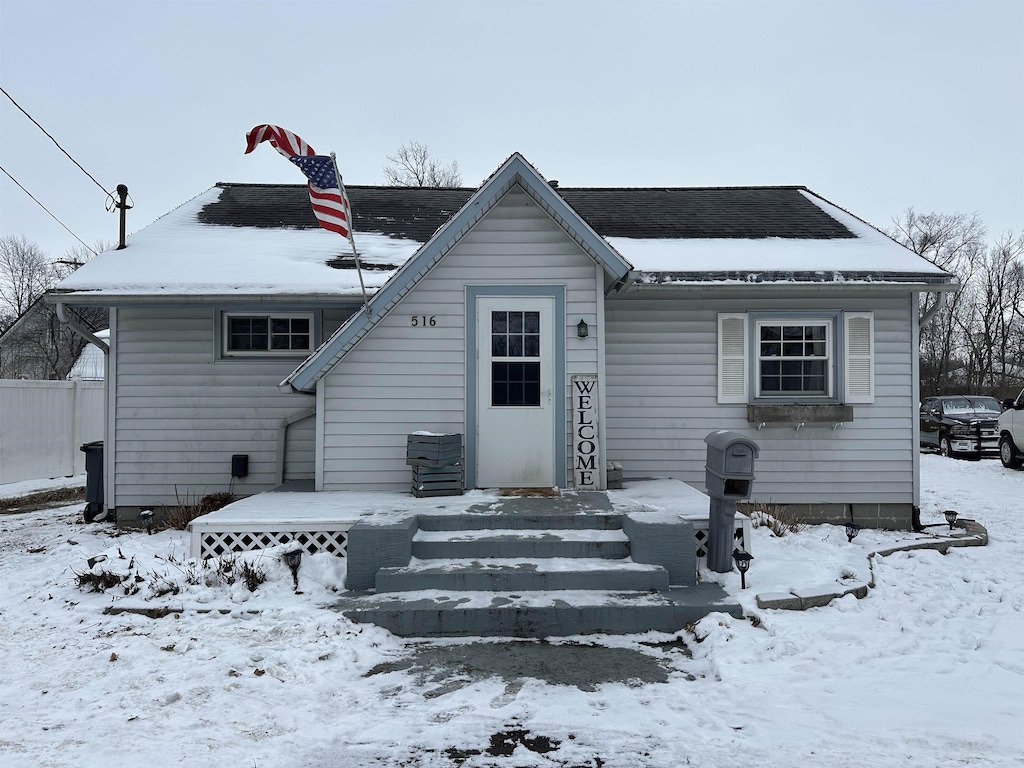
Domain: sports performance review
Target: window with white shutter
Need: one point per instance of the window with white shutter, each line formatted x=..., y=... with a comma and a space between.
x=796, y=357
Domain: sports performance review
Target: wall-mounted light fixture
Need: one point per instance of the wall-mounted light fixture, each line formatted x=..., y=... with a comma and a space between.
x=582, y=330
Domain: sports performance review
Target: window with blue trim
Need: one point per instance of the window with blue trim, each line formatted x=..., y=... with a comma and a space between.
x=794, y=357
x=286, y=334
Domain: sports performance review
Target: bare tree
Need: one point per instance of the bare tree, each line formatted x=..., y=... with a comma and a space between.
x=36, y=345
x=413, y=166
x=975, y=342
x=955, y=243
x=25, y=273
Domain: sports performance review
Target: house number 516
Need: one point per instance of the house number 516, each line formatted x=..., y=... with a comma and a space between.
x=424, y=320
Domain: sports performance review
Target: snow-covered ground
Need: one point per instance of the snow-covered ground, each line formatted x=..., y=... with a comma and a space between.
x=927, y=670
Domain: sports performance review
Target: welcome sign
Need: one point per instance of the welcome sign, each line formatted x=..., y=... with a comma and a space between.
x=585, y=453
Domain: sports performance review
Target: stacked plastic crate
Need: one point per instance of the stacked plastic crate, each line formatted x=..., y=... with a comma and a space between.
x=437, y=465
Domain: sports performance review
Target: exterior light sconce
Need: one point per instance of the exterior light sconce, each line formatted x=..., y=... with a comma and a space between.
x=582, y=329
x=950, y=515
x=852, y=529
x=743, y=564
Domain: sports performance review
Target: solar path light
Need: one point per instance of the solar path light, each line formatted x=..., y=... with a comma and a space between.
x=743, y=564
x=852, y=529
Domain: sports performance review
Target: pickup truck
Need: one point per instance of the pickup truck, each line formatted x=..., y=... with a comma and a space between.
x=960, y=425
x=1011, y=433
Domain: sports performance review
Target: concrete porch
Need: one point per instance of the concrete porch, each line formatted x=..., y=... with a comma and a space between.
x=486, y=565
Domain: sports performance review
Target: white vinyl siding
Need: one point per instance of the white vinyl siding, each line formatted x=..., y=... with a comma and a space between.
x=181, y=413
x=300, y=450
x=404, y=377
x=662, y=394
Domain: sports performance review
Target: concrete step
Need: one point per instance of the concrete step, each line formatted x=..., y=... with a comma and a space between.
x=521, y=520
x=527, y=575
x=536, y=614
x=522, y=543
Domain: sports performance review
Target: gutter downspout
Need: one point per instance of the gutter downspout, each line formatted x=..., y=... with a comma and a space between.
x=940, y=302
x=80, y=329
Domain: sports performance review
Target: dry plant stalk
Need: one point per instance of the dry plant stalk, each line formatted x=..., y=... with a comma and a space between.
x=778, y=518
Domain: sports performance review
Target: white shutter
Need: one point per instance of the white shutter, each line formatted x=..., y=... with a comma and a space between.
x=732, y=358
x=859, y=365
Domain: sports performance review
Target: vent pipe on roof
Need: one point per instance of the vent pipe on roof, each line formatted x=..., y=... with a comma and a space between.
x=122, y=205
x=553, y=183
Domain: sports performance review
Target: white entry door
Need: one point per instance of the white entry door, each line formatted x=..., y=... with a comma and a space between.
x=515, y=392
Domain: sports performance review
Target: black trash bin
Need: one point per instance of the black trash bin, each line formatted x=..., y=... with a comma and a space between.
x=93, y=482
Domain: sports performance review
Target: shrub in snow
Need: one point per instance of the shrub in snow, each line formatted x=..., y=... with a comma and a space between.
x=778, y=518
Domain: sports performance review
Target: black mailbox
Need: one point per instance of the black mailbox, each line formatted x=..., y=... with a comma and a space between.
x=729, y=468
x=729, y=475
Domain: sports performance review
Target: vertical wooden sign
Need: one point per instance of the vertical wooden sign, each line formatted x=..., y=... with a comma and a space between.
x=585, y=453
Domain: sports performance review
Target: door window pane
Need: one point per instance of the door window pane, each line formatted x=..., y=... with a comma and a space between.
x=515, y=334
x=515, y=383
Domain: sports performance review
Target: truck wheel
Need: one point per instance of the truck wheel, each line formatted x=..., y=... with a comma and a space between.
x=1008, y=453
x=944, y=447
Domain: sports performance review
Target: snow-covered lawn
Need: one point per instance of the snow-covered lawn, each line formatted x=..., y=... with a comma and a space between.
x=927, y=670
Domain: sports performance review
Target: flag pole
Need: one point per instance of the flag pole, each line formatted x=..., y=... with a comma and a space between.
x=351, y=226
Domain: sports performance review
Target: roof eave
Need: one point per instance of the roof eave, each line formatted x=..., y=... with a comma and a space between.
x=101, y=299
x=836, y=281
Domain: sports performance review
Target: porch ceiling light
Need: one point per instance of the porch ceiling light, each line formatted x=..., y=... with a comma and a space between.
x=743, y=564
x=950, y=515
x=582, y=329
x=852, y=529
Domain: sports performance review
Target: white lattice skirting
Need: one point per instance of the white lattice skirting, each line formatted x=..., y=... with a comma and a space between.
x=742, y=535
x=213, y=542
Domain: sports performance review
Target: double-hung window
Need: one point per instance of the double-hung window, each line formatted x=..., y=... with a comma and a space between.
x=797, y=357
x=794, y=358
x=250, y=334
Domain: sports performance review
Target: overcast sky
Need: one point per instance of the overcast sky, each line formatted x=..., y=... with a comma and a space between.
x=877, y=106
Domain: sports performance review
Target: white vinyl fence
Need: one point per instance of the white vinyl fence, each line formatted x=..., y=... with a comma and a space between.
x=44, y=423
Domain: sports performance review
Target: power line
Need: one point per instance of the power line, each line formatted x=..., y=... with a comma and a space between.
x=47, y=210
x=58, y=147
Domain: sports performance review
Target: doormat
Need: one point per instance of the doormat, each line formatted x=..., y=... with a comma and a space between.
x=550, y=493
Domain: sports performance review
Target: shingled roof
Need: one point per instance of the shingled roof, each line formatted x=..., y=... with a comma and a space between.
x=749, y=213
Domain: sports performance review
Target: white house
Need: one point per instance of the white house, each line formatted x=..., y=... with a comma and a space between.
x=238, y=329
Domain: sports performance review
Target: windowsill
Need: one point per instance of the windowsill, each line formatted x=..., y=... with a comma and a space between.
x=264, y=357
x=794, y=413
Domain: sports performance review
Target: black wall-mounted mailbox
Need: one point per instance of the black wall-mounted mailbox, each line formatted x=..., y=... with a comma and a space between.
x=240, y=465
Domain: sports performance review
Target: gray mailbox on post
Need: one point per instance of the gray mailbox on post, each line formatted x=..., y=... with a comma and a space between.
x=729, y=475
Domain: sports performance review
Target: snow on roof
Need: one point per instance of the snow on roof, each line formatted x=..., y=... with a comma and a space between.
x=178, y=256
x=869, y=252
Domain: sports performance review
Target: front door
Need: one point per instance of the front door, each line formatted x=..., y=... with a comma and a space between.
x=515, y=392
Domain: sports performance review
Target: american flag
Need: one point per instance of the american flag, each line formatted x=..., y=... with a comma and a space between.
x=326, y=194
